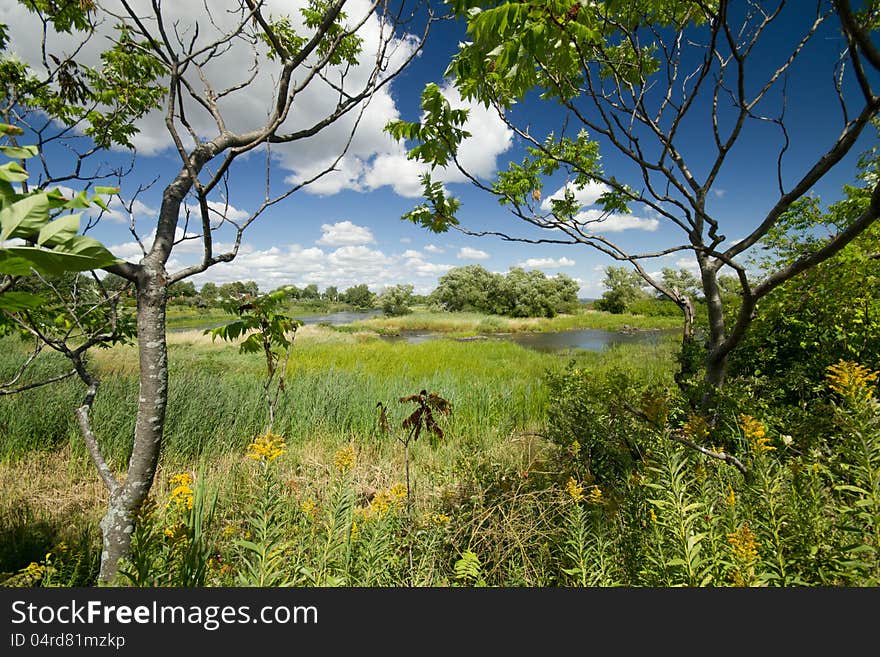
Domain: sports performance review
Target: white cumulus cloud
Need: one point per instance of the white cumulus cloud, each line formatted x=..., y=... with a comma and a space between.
x=345, y=233
x=588, y=195
x=601, y=222
x=547, y=263
x=467, y=253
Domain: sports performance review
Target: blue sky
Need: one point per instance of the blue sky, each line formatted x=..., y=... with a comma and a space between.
x=346, y=229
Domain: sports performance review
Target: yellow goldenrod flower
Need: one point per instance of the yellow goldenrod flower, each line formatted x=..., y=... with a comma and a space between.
x=345, y=459
x=181, y=497
x=266, y=447
x=756, y=434
x=731, y=497
x=176, y=532
x=33, y=570
x=439, y=519
x=308, y=507
x=381, y=503
x=575, y=449
x=398, y=491
x=696, y=427
x=354, y=530
x=653, y=515
x=230, y=530
x=655, y=407
x=744, y=544
x=574, y=489
x=851, y=380
x=595, y=496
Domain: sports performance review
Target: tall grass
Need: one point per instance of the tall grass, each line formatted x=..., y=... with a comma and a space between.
x=333, y=385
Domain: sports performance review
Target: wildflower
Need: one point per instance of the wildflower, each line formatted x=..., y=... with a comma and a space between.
x=653, y=515
x=34, y=570
x=654, y=407
x=176, y=533
x=439, y=519
x=308, y=507
x=595, y=496
x=851, y=380
x=354, y=530
x=573, y=488
x=398, y=491
x=181, y=497
x=345, y=459
x=381, y=503
x=744, y=546
x=575, y=449
x=756, y=434
x=696, y=427
x=266, y=447
x=230, y=530
x=731, y=497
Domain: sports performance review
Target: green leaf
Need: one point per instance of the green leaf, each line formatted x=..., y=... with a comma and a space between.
x=79, y=201
x=13, y=265
x=79, y=254
x=19, y=152
x=14, y=301
x=13, y=172
x=25, y=217
x=106, y=190
x=59, y=231
x=7, y=129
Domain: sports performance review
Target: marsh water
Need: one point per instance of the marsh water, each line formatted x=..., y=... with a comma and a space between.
x=549, y=341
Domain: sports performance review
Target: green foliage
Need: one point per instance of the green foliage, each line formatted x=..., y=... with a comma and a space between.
x=519, y=293
x=396, y=300
x=827, y=313
x=266, y=553
x=264, y=329
x=171, y=545
x=359, y=296
x=468, y=570
x=50, y=241
x=108, y=99
x=587, y=417
x=623, y=287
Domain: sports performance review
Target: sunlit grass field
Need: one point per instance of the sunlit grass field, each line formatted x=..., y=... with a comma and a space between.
x=552, y=470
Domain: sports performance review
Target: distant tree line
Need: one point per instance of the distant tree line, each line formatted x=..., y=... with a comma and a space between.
x=518, y=293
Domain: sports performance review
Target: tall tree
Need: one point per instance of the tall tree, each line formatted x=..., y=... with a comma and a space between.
x=674, y=88
x=622, y=287
x=166, y=63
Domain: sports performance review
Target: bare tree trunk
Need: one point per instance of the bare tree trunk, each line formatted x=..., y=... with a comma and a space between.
x=716, y=356
x=118, y=524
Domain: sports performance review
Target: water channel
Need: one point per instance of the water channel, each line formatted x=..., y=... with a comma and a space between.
x=551, y=341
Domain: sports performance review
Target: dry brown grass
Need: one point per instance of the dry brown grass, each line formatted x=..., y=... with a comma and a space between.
x=53, y=485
